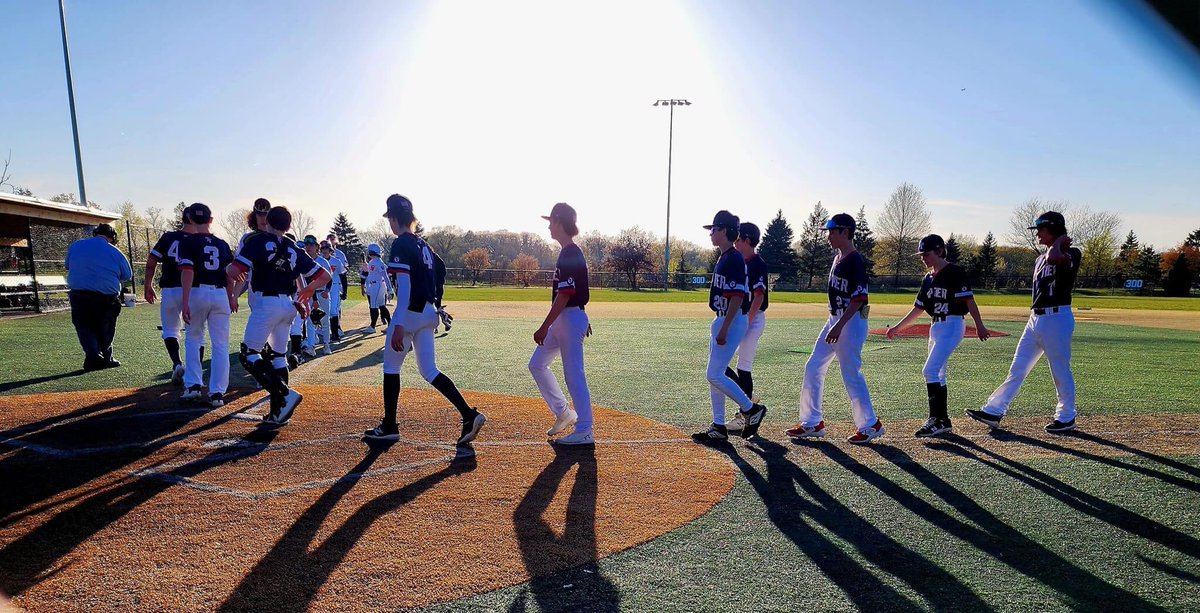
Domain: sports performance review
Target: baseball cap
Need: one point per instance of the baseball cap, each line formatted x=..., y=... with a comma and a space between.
x=262, y=205
x=104, y=230
x=841, y=221
x=723, y=219
x=199, y=213
x=397, y=204
x=326, y=245
x=1049, y=218
x=373, y=248
x=562, y=213
x=310, y=239
x=930, y=243
x=750, y=232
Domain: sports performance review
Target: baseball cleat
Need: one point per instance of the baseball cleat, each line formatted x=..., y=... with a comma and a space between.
x=712, y=436
x=177, y=375
x=736, y=423
x=290, y=402
x=328, y=350
x=578, y=437
x=754, y=418
x=217, y=400
x=292, y=361
x=803, y=431
x=982, y=417
x=1059, y=427
x=470, y=428
x=565, y=420
x=868, y=434
x=309, y=351
x=933, y=427
x=194, y=392
x=383, y=432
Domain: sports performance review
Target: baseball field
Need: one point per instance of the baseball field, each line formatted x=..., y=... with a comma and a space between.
x=116, y=496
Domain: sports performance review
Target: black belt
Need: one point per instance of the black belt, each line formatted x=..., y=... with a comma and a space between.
x=272, y=294
x=1050, y=310
x=937, y=318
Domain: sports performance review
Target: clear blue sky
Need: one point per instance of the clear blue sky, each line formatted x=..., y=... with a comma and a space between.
x=488, y=113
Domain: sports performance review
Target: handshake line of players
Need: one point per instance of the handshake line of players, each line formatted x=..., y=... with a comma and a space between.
x=283, y=277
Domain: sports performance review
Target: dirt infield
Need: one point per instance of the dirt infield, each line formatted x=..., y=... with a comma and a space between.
x=922, y=331
x=123, y=500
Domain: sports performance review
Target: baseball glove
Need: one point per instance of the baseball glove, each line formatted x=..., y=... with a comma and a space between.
x=447, y=319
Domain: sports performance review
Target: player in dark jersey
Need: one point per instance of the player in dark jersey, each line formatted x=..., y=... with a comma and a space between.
x=756, y=280
x=729, y=299
x=412, y=263
x=256, y=221
x=562, y=332
x=946, y=296
x=276, y=262
x=166, y=251
x=842, y=337
x=202, y=261
x=1048, y=331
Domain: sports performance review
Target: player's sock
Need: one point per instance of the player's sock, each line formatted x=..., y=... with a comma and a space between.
x=374, y=316
x=733, y=374
x=443, y=384
x=932, y=391
x=391, y=397
x=746, y=382
x=295, y=343
x=172, y=350
x=202, y=353
x=386, y=315
x=943, y=403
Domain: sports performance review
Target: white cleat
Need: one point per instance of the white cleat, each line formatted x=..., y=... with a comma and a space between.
x=565, y=420
x=578, y=437
x=177, y=375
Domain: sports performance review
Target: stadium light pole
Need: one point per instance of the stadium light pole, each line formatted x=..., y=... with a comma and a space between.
x=62, y=20
x=670, y=104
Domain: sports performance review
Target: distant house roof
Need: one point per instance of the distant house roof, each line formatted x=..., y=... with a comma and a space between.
x=36, y=208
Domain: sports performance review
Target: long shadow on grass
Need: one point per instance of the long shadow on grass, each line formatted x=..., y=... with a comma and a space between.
x=5, y=387
x=1075, y=498
x=798, y=513
x=546, y=554
x=990, y=534
x=289, y=576
x=1119, y=446
x=23, y=562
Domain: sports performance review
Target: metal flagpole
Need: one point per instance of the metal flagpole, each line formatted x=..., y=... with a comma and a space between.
x=62, y=18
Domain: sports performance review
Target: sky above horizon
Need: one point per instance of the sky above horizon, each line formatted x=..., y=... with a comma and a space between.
x=485, y=114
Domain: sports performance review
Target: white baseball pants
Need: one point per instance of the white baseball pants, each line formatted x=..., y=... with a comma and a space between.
x=418, y=335
x=170, y=309
x=719, y=356
x=1048, y=334
x=377, y=293
x=270, y=321
x=210, y=308
x=746, y=351
x=565, y=338
x=335, y=299
x=323, y=329
x=848, y=351
x=944, y=338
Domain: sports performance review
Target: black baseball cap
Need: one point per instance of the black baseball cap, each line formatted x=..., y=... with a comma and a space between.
x=310, y=239
x=262, y=205
x=724, y=219
x=562, y=213
x=841, y=221
x=750, y=232
x=930, y=243
x=104, y=230
x=397, y=204
x=198, y=213
x=1049, y=218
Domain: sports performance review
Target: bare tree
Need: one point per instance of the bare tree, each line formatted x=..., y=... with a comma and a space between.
x=233, y=225
x=1084, y=224
x=1023, y=216
x=381, y=234
x=156, y=219
x=905, y=219
x=4, y=175
x=631, y=253
x=302, y=224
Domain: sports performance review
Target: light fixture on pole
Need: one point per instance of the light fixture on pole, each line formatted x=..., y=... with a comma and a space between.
x=671, y=104
x=62, y=19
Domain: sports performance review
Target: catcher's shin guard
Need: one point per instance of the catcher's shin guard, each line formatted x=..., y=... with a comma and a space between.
x=258, y=364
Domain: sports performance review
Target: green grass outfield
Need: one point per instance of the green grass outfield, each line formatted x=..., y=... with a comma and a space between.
x=1064, y=531
x=1084, y=299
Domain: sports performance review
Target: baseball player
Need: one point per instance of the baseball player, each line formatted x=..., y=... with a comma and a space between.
x=946, y=296
x=202, y=261
x=166, y=250
x=278, y=262
x=842, y=337
x=412, y=263
x=256, y=221
x=375, y=286
x=756, y=278
x=729, y=298
x=1048, y=331
x=338, y=265
x=318, y=318
x=562, y=332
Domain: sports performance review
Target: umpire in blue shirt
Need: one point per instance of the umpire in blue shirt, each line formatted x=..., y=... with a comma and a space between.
x=96, y=271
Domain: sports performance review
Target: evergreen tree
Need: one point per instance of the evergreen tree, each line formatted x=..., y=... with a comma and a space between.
x=864, y=241
x=953, y=251
x=348, y=240
x=983, y=266
x=814, y=255
x=776, y=249
x=1149, y=265
x=1179, y=278
x=177, y=216
x=1193, y=239
x=1128, y=255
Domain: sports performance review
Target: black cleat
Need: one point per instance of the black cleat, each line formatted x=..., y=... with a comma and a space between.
x=383, y=432
x=1059, y=427
x=714, y=435
x=992, y=421
x=753, y=418
x=470, y=428
x=933, y=427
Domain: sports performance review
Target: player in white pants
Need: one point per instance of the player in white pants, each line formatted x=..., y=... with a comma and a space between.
x=376, y=286
x=1048, y=331
x=756, y=323
x=728, y=298
x=206, y=297
x=338, y=265
x=842, y=337
x=562, y=333
x=946, y=296
x=166, y=252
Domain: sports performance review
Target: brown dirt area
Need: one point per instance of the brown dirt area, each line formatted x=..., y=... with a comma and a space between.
x=922, y=331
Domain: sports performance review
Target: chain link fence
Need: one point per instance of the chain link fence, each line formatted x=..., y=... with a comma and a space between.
x=33, y=276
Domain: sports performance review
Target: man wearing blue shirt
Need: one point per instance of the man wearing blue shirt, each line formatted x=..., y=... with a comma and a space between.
x=96, y=269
